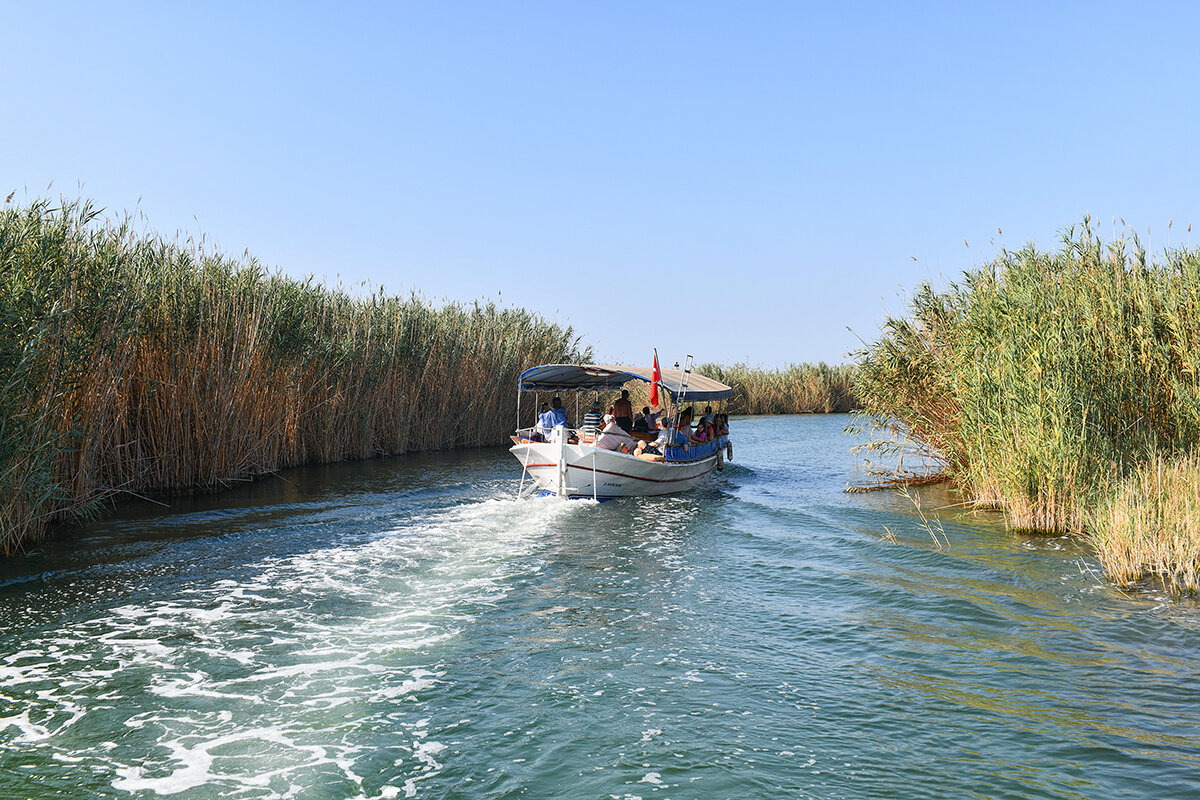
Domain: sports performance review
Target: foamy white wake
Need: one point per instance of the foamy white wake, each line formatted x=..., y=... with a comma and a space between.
x=321, y=666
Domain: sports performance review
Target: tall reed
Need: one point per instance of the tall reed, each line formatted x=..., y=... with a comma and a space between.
x=1149, y=525
x=130, y=364
x=1045, y=379
x=794, y=389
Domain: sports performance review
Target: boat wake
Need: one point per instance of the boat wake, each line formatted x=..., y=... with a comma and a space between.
x=275, y=680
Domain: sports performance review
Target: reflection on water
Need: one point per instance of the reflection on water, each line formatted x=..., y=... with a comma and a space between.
x=407, y=628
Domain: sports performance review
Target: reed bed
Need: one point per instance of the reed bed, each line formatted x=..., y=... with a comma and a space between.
x=131, y=364
x=1044, y=380
x=794, y=389
x=1148, y=526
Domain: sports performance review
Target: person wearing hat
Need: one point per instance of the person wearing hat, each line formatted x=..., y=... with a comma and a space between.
x=613, y=437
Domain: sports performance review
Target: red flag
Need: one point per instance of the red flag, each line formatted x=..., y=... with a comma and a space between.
x=654, y=379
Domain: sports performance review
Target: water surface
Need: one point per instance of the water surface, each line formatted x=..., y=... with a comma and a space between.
x=406, y=628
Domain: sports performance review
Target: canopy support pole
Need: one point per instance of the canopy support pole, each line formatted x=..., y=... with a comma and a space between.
x=562, y=462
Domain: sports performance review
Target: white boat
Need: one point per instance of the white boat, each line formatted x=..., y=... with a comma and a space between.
x=563, y=463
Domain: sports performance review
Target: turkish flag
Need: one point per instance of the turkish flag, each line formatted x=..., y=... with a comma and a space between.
x=654, y=379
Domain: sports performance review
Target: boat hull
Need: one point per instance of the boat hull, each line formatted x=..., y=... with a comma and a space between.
x=582, y=471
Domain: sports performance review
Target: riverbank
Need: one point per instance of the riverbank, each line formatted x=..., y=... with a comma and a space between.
x=130, y=364
x=1052, y=384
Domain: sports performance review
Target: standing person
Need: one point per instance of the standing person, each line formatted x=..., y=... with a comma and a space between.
x=623, y=411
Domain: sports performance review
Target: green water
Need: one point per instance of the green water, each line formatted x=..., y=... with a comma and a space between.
x=405, y=628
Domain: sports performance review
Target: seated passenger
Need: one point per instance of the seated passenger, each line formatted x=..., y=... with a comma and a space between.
x=647, y=452
x=670, y=437
x=639, y=424
x=613, y=437
x=722, y=424
x=558, y=414
x=651, y=418
x=708, y=415
x=544, y=424
x=592, y=421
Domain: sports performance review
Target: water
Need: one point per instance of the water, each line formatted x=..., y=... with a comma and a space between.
x=405, y=628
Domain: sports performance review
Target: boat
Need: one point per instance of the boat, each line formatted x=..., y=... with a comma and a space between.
x=564, y=462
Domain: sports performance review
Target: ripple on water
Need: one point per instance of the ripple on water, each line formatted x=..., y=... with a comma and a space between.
x=385, y=634
x=280, y=678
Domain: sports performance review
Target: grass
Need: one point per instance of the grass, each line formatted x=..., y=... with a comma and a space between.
x=132, y=364
x=1044, y=381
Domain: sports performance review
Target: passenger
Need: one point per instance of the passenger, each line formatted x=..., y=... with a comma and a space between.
x=647, y=452
x=614, y=437
x=685, y=430
x=545, y=422
x=722, y=424
x=684, y=422
x=651, y=419
x=639, y=424
x=670, y=437
x=556, y=416
x=708, y=415
x=592, y=421
x=623, y=411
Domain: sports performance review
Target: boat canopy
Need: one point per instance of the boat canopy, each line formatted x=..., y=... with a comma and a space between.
x=587, y=377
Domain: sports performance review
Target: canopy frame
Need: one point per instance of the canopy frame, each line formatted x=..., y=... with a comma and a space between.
x=678, y=383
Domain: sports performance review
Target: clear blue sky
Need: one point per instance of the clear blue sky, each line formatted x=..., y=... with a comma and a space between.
x=739, y=181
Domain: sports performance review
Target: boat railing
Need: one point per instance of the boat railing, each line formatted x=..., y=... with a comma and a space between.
x=678, y=453
x=539, y=435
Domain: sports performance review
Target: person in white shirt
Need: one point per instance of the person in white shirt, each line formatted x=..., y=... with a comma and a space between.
x=613, y=437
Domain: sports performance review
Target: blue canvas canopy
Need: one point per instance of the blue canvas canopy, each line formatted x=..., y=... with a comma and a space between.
x=588, y=377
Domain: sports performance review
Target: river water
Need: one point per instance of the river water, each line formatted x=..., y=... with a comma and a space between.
x=406, y=628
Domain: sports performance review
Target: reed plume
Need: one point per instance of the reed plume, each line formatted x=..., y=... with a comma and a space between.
x=1044, y=380
x=133, y=364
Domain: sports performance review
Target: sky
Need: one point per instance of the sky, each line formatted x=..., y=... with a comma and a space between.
x=744, y=182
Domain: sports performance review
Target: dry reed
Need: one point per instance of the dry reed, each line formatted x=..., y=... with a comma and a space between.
x=794, y=389
x=1149, y=525
x=133, y=364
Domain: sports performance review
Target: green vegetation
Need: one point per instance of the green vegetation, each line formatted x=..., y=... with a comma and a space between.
x=130, y=364
x=795, y=389
x=1049, y=383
